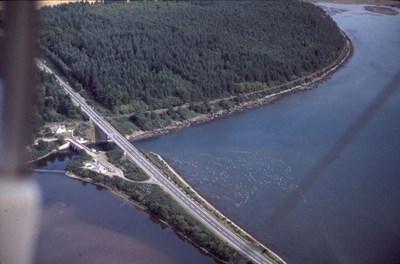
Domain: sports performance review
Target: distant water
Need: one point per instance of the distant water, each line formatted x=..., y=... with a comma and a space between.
x=246, y=164
x=82, y=223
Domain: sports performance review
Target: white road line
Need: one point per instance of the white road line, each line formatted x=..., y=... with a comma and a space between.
x=157, y=176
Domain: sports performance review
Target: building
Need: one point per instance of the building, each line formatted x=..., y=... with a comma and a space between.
x=57, y=129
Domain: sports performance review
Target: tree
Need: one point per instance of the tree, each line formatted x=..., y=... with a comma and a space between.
x=181, y=53
x=41, y=145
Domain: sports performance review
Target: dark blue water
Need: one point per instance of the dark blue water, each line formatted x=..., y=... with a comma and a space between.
x=248, y=163
x=82, y=223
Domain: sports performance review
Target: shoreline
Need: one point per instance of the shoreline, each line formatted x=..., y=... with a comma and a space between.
x=382, y=10
x=306, y=84
x=224, y=220
x=316, y=79
x=221, y=217
x=362, y=2
x=143, y=208
x=54, y=151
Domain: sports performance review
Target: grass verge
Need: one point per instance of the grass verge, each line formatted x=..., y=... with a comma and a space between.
x=161, y=205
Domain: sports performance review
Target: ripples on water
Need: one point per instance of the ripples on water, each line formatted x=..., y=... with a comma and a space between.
x=247, y=164
x=256, y=174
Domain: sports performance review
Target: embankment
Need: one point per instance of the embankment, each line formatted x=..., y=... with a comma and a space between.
x=304, y=83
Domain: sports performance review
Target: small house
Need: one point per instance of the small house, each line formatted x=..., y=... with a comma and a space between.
x=58, y=129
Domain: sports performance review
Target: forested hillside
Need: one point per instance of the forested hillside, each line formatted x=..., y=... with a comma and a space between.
x=53, y=105
x=151, y=55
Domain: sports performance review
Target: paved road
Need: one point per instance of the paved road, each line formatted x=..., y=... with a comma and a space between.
x=158, y=177
x=114, y=170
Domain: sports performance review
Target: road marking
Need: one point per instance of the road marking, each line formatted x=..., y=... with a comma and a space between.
x=149, y=168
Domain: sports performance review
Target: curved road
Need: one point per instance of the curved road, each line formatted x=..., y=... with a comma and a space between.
x=194, y=208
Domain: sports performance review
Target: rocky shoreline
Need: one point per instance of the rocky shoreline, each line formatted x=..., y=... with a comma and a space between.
x=316, y=79
x=221, y=217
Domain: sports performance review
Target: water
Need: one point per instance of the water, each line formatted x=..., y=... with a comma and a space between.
x=82, y=223
x=248, y=163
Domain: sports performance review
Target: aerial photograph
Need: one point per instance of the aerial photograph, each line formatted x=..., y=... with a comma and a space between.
x=191, y=132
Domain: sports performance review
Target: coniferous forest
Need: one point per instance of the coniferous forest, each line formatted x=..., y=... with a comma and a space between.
x=52, y=105
x=150, y=55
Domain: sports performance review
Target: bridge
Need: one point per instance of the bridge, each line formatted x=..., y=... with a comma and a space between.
x=111, y=169
x=157, y=176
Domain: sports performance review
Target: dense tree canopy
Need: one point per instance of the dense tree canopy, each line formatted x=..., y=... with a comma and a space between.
x=152, y=55
x=52, y=104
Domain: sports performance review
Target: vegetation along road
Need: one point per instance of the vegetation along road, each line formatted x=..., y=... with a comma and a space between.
x=158, y=177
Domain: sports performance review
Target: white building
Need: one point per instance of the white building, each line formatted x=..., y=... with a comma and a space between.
x=58, y=129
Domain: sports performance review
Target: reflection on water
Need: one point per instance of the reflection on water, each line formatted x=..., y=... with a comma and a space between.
x=83, y=223
x=247, y=164
x=56, y=162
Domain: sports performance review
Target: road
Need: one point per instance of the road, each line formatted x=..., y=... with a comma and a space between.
x=114, y=170
x=194, y=208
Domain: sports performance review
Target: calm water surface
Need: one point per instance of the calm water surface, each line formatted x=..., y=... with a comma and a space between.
x=248, y=163
x=82, y=223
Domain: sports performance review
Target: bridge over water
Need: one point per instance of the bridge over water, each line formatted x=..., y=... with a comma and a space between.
x=158, y=177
